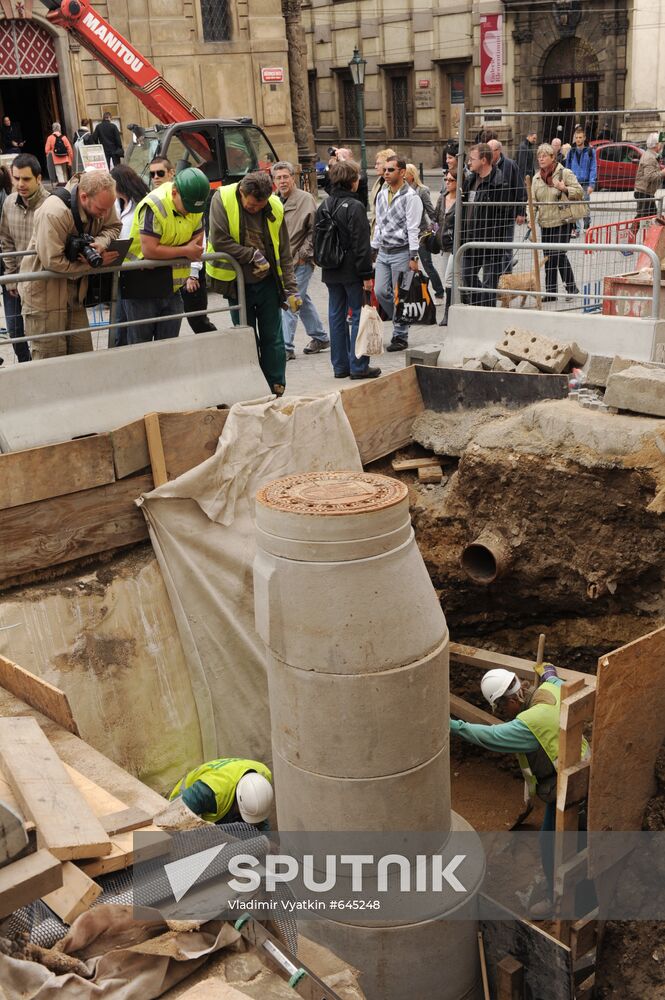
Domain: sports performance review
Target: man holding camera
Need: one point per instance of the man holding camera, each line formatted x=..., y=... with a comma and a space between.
x=67, y=238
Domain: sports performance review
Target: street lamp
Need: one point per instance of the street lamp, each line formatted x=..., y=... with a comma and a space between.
x=357, y=66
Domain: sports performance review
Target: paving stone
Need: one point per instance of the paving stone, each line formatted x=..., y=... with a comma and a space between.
x=489, y=360
x=526, y=368
x=597, y=369
x=620, y=364
x=473, y=365
x=548, y=355
x=504, y=365
x=578, y=354
x=639, y=389
x=425, y=354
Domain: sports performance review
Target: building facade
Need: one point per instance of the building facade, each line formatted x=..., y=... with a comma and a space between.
x=212, y=51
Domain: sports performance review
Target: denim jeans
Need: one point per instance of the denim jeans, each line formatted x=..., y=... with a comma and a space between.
x=152, y=309
x=14, y=321
x=341, y=298
x=308, y=314
x=388, y=268
x=431, y=271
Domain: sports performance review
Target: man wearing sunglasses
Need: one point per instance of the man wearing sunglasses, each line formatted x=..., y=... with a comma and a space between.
x=194, y=293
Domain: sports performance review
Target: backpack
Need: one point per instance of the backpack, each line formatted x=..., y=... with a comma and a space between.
x=59, y=147
x=328, y=249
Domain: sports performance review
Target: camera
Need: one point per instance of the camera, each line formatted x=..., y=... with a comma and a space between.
x=77, y=246
x=332, y=150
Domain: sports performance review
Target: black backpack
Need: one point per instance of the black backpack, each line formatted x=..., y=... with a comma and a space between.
x=328, y=249
x=59, y=147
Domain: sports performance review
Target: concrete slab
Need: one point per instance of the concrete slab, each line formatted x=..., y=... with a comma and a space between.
x=521, y=344
x=60, y=398
x=638, y=389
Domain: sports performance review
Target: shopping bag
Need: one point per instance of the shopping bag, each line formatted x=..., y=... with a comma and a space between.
x=369, y=340
x=413, y=302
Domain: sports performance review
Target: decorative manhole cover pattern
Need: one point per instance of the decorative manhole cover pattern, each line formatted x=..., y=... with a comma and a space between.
x=332, y=493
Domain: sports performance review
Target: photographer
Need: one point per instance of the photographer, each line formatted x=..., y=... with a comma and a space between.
x=338, y=154
x=58, y=244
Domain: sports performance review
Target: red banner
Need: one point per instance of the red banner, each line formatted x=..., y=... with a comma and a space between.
x=491, y=54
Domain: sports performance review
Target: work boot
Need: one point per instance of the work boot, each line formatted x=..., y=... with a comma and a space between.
x=278, y=389
x=370, y=373
x=290, y=354
x=397, y=344
x=444, y=321
x=316, y=346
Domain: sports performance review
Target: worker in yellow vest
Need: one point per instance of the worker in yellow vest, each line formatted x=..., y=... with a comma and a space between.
x=168, y=224
x=231, y=789
x=247, y=223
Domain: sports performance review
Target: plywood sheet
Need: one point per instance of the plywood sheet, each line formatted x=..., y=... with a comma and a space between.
x=548, y=964
x=65, y=824
x=628, y=730
x=62, y=529
x=26, y=880
x=55, y=470
x=38, y=693
x=381, y=412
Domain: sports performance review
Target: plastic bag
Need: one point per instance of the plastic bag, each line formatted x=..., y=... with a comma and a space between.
x=370, y=333
x=413, y=302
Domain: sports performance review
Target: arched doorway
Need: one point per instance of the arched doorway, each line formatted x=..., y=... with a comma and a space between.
x=570, y=79
x=29, y=84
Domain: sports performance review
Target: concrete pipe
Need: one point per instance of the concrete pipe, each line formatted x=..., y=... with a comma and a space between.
x=487, y=558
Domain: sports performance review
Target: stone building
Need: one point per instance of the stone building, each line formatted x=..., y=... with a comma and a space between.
x=212, y=51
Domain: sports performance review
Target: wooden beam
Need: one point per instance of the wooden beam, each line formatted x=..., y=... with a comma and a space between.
x=38, y=693
x=125, y=820
x=586, y=990
x=576, y=707
x=65, y=824
x=483, y=967
x=567, y=876
x=155, y=449
x=485, y=659
x=584, y=935
x=76, y=894
x=24, y=881
x=430, y=474
x=411, y=464
x=190, y=438
x=470, y=713
x=130, y=449
x=55, y=470
x=573, y=784
x=62, y=529
x=510, y=979
x=381, y=412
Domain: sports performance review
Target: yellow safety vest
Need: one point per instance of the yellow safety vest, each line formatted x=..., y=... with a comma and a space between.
x=542, y=719
x=215, y=268
x=221, y=776
x=177, y=229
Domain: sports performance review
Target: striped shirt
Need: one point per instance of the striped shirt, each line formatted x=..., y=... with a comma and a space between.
x=397, y=219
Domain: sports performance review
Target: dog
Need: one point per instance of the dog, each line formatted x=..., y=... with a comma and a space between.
x=518, y=285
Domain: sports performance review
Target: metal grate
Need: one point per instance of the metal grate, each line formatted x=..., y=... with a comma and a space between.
x=350, y=113
x=400, y=95
x=217, y=22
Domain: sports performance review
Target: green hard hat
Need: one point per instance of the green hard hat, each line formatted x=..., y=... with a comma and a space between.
x=193, y=187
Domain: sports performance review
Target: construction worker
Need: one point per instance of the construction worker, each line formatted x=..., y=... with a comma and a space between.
x=247, y=223
x=230, y=789
x=531, y=730
x=168, y=223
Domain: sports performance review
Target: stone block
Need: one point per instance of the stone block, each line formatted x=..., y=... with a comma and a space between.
x=578, y=354
x=424, y=354
x=473, y=365
x=504, y=365
x=548, y=355
x=489, y=359
x=597, y=370
x=639, y=389
x=620, y=364
x=526, y=368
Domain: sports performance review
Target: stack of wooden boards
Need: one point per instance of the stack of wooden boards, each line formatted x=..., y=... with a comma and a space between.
x=79, y=829
x=429, y=469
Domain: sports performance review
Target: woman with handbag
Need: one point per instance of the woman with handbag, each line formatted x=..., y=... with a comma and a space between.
x=412, y=177
x=558, y=196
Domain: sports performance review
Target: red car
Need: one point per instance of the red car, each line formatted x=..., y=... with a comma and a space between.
x=617, y=165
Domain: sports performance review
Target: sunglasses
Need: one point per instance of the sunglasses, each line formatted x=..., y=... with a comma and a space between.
x=390, y=170
x=158, y=173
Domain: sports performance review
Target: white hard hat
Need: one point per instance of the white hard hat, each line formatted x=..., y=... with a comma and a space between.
x=254, y=796
x=497, y=682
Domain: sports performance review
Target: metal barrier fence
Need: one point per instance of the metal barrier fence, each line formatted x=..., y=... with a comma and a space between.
x=97, y=326
x=606, y=158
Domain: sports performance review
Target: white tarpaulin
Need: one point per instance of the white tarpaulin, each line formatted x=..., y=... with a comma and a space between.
x=202, y=531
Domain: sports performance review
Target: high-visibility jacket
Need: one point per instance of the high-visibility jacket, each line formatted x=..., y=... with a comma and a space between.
x=227, y=193
x=222, y=777
x=177, y=229
x=542, y=718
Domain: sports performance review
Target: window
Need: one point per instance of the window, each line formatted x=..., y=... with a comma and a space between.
x=216, y=19
x=313, y=100
x=400, y=106
x=350, y=116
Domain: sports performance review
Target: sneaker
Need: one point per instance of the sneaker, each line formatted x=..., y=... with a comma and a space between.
x=316, y=346
x=397, y=344
x=290, y=354
x=571, y=293
x=278, y=389
x=370, y=373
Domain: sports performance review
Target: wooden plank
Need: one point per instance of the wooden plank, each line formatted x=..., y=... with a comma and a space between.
x=125, y=820
x=381, y=412
x=130, y=449
x=586, y=990
x=409, y=464
x=510, y=979
x=62, y=529
x=155, y=449
x=548, y=965
x=55, y=470
x=573, y=784
x=28, y=879
x=570, y=745
x=190, y=438
x=430, y=474
x=65, y=824
x=76, y=894
x=35, y=691
x=213, y=989
x=577, y=707
x=567, y=876
x=584, y=935
x=483, y=967
x=486, y=659
x=470, y=713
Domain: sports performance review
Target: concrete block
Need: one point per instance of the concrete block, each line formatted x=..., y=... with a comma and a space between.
x=578, y=354
x=489, y=359
x=504, y=365
x=425, y=354
x=639, y=389
x=526, y=368
x=523, y=345
x=621, y=364
x=473, y=365
x=597, y=369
